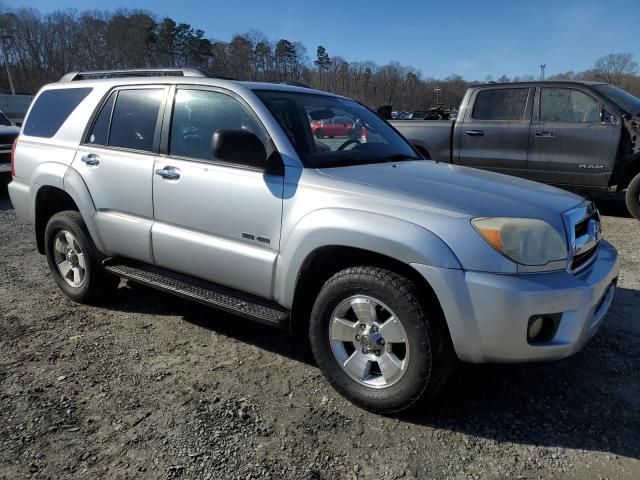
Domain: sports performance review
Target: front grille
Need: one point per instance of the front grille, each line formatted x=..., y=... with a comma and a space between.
x=583, y=225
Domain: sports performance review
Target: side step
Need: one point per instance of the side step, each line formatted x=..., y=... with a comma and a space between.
x=201, y=291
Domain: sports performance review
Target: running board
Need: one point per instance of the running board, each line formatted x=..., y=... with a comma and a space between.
x=200, y=291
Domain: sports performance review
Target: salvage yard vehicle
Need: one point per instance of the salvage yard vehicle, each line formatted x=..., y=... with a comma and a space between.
x=581, y=136
x=8, y=133
x=393, y=265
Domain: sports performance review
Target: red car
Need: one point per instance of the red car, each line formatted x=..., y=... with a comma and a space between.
x=333, y=127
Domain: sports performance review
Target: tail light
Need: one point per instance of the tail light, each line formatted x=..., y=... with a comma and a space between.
x=13, y=157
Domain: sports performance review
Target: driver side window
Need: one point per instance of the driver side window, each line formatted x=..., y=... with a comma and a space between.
x=198, y=114
x=567, y=106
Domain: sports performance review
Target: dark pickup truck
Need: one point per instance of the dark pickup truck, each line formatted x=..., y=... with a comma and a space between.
x=581, y=136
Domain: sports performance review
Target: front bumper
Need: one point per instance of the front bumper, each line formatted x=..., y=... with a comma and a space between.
x=488, y=314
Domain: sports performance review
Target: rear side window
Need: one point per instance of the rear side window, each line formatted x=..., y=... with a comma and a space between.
x=100, y=131
x=134, y=119
x=51, y=110
x=501, y=104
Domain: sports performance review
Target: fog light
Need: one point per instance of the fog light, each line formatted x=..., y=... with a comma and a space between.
x=535, y=327
x=542, y=328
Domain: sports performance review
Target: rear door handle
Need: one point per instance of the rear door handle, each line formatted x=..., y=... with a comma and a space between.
x=168, y=173
x=90, y=159
x=475, y=133
x=544, y=134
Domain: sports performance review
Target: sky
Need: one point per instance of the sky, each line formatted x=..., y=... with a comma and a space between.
x=470, y=38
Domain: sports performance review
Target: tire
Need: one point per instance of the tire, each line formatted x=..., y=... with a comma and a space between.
x=426, y=356
x=632, y=197
x=68, y=240
x=319, y=134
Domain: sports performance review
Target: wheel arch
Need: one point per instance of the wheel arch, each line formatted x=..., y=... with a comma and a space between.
x=630, y=172
x=63, y=192
x=325, y=261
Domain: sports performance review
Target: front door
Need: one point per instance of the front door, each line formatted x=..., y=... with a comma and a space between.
x=116, y=163
x=214, y=220
x=568, y=144
x=494, y=135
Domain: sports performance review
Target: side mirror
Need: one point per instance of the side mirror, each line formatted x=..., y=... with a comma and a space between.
x=607, y=117
x=239, y=146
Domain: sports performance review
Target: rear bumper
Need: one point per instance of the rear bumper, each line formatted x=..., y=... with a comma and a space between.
x=488, y=314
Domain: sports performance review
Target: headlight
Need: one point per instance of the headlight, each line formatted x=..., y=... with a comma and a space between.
x=528, y=241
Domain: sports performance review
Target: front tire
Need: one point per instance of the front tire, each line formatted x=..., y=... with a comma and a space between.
x=375, y=341
x=74, y=260
x=632, y=197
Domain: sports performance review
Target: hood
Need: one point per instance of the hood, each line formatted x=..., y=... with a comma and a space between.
x=8, y=134
x=469, y=191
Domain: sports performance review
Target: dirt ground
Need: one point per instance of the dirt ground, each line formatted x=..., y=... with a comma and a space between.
x=146, y=385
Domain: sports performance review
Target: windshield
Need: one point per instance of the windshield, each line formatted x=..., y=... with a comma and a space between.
x=620, y=97
x=330, y=131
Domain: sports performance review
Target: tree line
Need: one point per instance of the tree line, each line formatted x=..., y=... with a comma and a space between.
x=41, y=48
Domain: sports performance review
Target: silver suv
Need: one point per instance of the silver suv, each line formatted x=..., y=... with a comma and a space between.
x=218, y=191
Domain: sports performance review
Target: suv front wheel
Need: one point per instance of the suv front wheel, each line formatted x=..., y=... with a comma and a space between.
x=375, y=342
x=74, y=259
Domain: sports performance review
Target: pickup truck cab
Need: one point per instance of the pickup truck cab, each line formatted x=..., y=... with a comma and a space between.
x=581, y=136
x=389, y=264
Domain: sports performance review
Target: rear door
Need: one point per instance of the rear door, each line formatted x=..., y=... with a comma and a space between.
x=568, y=144
x=214, y=220
x=116, y=163
x=495, y=132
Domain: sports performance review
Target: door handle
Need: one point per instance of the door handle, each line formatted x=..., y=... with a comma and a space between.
x=168, y=173
x=544, y=134
x=90, y=159
x=475, y=133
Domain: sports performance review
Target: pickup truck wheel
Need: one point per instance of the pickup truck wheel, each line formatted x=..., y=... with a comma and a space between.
x=74, y=259
x=319, y=134
x=374, y=342
x=632, y=197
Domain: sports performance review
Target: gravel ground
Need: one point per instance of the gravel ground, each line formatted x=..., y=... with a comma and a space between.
x=150, y=386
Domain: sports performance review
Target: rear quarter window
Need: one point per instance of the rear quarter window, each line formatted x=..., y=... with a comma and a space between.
x=51, y=110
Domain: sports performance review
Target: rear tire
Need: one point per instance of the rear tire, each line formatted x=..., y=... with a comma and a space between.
x=74, y=260
x=632, y=197
x=407, y=366
x=319, y=134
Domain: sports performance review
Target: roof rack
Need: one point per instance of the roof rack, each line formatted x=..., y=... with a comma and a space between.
x=137, y=72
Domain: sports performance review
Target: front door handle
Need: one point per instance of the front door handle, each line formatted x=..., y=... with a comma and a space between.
x=475, y=133
x=168, y=173
x=90, y=159
x=544, y=134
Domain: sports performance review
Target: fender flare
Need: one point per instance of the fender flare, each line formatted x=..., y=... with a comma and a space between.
x=75, y=187
x=398, y=239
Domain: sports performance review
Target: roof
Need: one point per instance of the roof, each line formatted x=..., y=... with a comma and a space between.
x=190, y=76
x=541, y=82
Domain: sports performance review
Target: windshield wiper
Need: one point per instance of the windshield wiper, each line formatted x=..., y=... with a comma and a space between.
x=398, y=157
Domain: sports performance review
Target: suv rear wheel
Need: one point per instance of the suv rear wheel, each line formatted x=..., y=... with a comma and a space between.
x=74, y=259
x=374, y=341
x=632, y=197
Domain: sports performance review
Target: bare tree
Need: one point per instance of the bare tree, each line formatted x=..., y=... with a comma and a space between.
x=615, y=68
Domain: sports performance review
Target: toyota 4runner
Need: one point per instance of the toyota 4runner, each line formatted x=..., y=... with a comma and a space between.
x=393, y=265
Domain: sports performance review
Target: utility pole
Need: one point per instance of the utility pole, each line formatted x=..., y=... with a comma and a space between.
x=437, y=91
x=542, y=68
x=6, y=62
